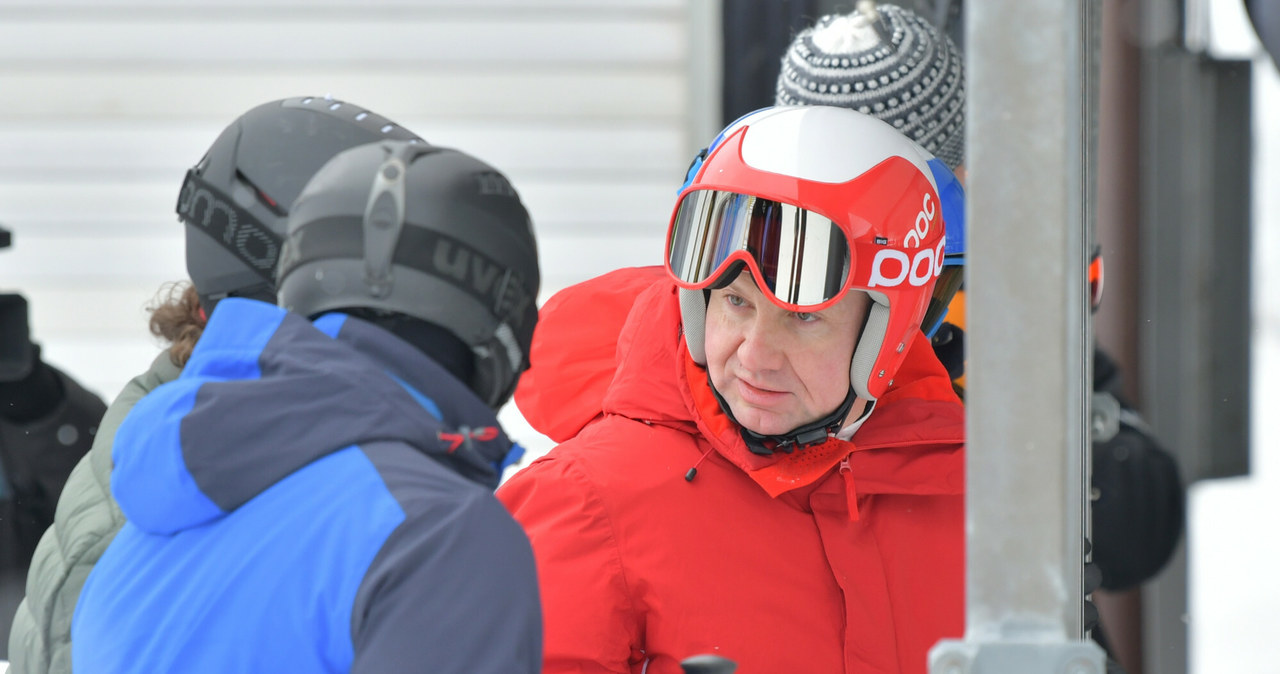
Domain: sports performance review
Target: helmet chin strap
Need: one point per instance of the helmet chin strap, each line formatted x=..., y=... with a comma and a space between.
x=807, y=435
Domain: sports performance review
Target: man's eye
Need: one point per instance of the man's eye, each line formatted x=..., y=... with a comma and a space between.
x=805, y=316
x=735, y=300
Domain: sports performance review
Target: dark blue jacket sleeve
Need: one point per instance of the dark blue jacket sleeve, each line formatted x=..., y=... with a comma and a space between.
x=453, y=589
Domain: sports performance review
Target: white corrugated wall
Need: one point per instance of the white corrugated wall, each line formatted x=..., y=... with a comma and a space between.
x=592, y=108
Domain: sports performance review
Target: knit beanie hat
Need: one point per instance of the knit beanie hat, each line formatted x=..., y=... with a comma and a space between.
x=887, y=62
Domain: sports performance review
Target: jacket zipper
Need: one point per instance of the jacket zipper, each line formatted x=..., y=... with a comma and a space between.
x=850, y=493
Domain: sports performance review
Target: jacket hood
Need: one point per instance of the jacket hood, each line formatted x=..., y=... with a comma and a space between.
x=267, y=392
x=629, y=359
x=574, y=357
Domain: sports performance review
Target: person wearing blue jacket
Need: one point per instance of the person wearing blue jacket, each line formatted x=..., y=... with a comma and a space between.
x=233, y=209
x=314, y=493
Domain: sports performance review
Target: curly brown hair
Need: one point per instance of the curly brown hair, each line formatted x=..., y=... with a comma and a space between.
x=176, y=318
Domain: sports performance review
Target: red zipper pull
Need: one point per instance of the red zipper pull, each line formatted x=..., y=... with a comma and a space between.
x=850, y=493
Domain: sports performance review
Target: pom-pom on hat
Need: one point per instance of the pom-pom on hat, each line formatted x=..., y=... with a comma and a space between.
x=885, y=61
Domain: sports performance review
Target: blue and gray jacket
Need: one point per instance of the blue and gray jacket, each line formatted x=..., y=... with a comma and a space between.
x=309, y=497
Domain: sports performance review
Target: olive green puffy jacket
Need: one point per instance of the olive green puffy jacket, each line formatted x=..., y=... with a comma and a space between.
x=84, y=524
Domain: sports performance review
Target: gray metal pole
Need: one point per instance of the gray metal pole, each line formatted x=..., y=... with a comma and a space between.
x=1031, y=111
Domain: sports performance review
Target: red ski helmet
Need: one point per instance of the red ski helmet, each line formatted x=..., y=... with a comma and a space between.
x=816, y=202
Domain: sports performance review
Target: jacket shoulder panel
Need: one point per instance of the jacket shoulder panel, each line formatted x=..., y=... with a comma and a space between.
x=311, y=538
x=457, y=547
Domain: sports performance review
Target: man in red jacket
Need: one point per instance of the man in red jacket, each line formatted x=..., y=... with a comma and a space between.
x=767, y=463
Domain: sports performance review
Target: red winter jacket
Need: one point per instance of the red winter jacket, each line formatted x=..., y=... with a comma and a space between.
x=762, y=560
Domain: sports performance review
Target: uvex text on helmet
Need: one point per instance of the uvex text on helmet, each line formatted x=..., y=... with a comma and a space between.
x=235, y=199
x=424, y=231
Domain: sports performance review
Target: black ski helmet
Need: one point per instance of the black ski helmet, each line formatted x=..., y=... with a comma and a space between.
x=427, y=232
x=234, y=201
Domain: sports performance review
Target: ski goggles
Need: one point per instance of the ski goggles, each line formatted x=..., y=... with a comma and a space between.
x=800, y=257
x=952, y=281
x=1095, y=279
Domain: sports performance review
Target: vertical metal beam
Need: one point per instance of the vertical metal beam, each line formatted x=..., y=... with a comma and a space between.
x=1031, y=128
x=1196, y=219
x=1028, y=322
x=1195, y=291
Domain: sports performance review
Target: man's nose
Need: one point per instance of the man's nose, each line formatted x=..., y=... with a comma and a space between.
x=761, y=348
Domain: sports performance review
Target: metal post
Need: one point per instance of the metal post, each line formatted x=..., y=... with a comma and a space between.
x=1031, y=111
x=1195, y=292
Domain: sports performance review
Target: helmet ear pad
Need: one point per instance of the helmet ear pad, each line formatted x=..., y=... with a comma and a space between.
x=693, y=316
x=499, y=364
x=867, y=350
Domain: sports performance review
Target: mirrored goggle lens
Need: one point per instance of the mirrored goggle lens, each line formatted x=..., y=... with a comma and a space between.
x=802, y=257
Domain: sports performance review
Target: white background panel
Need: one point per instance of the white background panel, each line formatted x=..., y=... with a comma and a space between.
x=181, y=38
x=104, y=104
x=219, y=93
x=92, y=151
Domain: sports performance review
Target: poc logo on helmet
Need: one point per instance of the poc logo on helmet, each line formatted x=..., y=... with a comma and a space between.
x=924, y=222
x=918, y=269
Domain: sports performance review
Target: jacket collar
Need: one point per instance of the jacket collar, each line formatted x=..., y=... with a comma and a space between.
x=629, y=359
x=912, y=443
